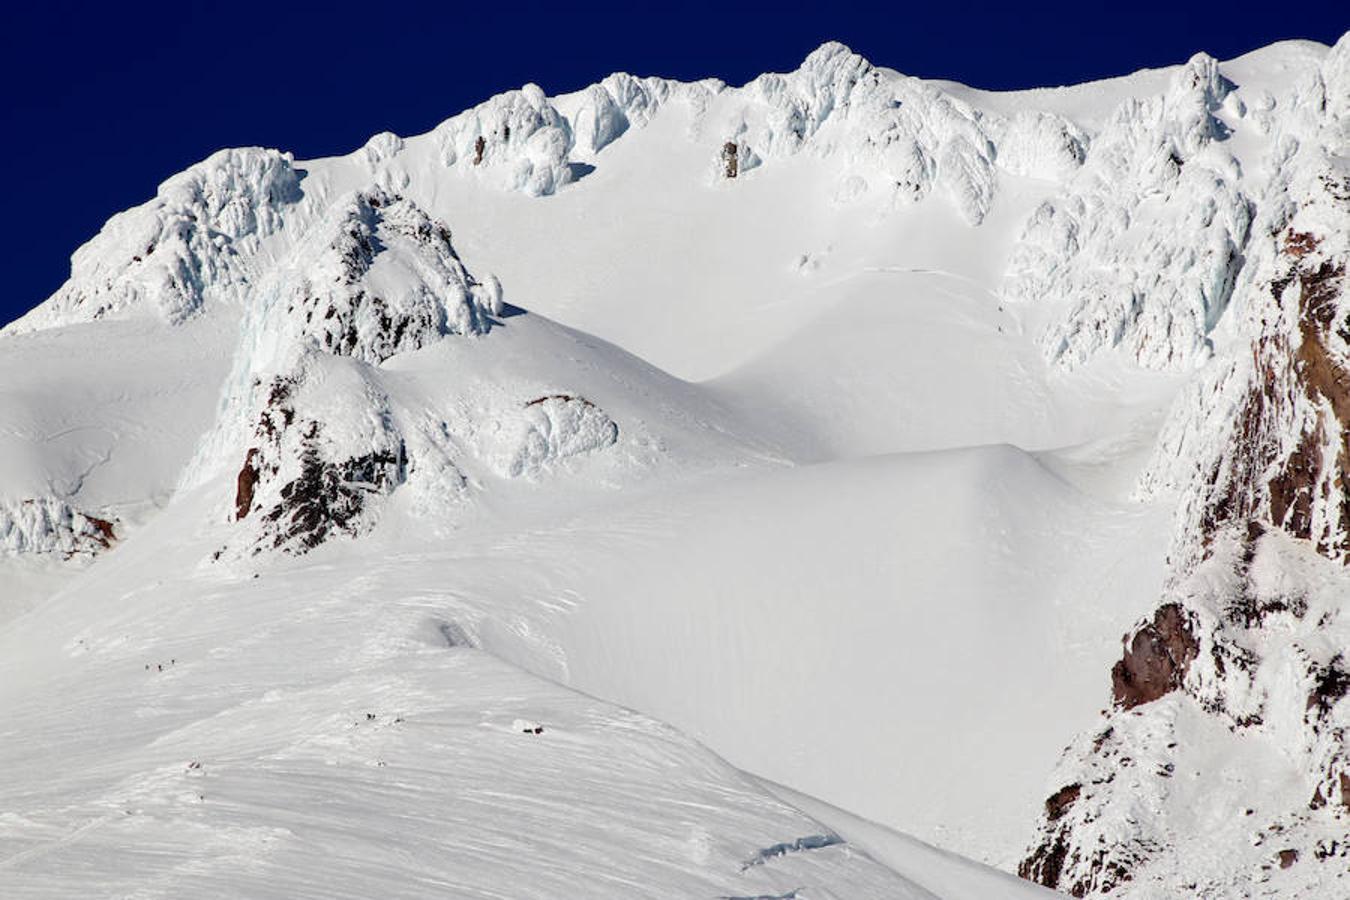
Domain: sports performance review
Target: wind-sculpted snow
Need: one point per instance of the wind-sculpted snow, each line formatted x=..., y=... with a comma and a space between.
x=898, y=136
x=196, y=242
x=551, y=429
x=608, y=109
x=1144, y=244
x=1041, y=145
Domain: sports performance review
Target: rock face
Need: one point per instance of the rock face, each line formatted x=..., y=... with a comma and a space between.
x=310, y=477
x=730, y=159
x=380, y=277
x=1246, y=651
x=1156, y=660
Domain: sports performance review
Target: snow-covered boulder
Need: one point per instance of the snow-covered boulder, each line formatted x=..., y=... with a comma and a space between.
x=547, y=430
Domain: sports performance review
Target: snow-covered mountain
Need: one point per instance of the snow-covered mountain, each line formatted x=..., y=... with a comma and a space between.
x=472, y=513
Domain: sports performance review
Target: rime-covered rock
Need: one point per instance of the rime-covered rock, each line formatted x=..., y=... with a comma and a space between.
x=321, y=450
x=198, y=241
x=50, y=525
x=377, y=277
x=1143, y=246
x=1247, y=651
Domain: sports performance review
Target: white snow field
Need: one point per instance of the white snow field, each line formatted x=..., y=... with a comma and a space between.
x=663, y=490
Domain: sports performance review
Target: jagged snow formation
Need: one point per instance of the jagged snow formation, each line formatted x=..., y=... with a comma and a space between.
x=899, y=136
x=48, y=525
x=1145, y=242
x=194, y=243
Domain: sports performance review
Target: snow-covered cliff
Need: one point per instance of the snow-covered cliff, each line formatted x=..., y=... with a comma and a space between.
x=1230, y=709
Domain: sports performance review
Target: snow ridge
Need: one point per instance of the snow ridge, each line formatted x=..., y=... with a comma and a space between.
x=196, y=242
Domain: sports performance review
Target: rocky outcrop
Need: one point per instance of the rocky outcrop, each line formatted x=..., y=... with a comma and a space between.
x=327, y=497
x=1247, y=647
x=377, y=278
x=311, y=475
x=730, y=159
x=1156, y=659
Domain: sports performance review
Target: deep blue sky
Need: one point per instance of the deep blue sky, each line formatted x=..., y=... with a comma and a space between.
x=102, y=101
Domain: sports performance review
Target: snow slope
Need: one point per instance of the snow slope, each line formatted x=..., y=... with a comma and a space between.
x=839, y=424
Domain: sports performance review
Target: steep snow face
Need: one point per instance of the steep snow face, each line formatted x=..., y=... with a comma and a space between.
x=1144, y=244
x=196, y=242
x=1247, y=652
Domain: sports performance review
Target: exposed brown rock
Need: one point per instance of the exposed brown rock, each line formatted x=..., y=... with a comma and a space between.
x=1299, y=244
x=1156, y=660
x=565, y=398
x=1288, y=858
x=479, y=146
x=1058, y=803
x=248, y=479
x=1286, y=487
x=1331, y=685
x=730, y=159
x=1291, y=489
x=105, y=536
x=1046, y=864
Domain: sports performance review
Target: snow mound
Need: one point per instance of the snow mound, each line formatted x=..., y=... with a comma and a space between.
x=548, y=430
x=517, y=140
